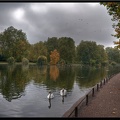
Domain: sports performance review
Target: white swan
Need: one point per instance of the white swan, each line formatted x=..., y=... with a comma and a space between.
x=50, y=95
x=63, y=92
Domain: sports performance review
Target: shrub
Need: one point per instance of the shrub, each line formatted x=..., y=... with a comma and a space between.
x=11, y=60
x=25, y=61
x=113, y=63
x=62, y=62
x=104, y=63
x=41, y=60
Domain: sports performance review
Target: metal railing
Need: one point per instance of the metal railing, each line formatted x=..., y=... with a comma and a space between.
x=74, y=110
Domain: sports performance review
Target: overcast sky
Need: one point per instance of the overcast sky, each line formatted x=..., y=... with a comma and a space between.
x=80, y=21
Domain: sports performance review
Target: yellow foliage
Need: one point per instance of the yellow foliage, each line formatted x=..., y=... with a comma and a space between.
x=54, y=57
x=117, y=43
x=117, y=30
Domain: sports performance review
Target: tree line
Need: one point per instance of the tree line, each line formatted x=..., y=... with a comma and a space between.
x=14, y=43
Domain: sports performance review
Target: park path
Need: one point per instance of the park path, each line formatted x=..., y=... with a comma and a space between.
x=106, y=103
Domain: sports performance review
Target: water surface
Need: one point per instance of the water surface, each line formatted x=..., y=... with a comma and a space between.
x=24, y=89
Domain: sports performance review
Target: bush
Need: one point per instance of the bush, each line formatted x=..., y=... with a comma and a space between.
x=104, y=63
x=98, y=65
x=92, y=62
x=25, y=61
x=11, y=60
x=62, y=62
x=113, y=63
x=41, y=60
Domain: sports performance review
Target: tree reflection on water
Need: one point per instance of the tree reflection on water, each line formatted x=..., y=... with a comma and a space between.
x=54, y=72
x=13, y=79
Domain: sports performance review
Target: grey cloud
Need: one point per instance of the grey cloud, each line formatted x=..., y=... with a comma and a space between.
x=80, y=22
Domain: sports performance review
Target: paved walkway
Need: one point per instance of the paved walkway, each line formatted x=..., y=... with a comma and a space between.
x=106, y=102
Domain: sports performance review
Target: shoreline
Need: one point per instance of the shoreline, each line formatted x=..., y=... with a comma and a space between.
x=105, y=102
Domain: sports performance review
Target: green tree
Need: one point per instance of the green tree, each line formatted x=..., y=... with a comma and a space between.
x=89, y=53
x=113, y=54
x=21, y=50
x=86, y=51
x=102, y=56
x=66, y=48
x=13, y=43
x=51, y=44
x=36, y=50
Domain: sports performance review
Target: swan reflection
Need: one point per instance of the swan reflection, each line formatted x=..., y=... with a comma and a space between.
x=62, y=99
x=49, y=104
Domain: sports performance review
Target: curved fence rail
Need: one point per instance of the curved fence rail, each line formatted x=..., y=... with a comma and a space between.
x=75, y=109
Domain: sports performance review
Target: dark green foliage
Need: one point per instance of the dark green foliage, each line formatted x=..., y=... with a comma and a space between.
x=42, y=60
x=62, y=62
x=2, y=58
x=66, y=48
x=113, y=63
x=113, y=54
x=89, y=53
x=36, y=50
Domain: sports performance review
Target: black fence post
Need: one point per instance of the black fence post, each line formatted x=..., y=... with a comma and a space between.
x=104, y=81
x=86, y=99
x=92, y=91
x=76, y=111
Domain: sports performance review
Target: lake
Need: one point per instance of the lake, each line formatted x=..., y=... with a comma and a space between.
x=24, y=89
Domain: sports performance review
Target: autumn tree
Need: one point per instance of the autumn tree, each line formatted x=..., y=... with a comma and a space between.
x=114, y=10
x=65, y=47
x=31, y=54
x=21, y=50
x=51, y=44
x=117, y=43
x=54, y=57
